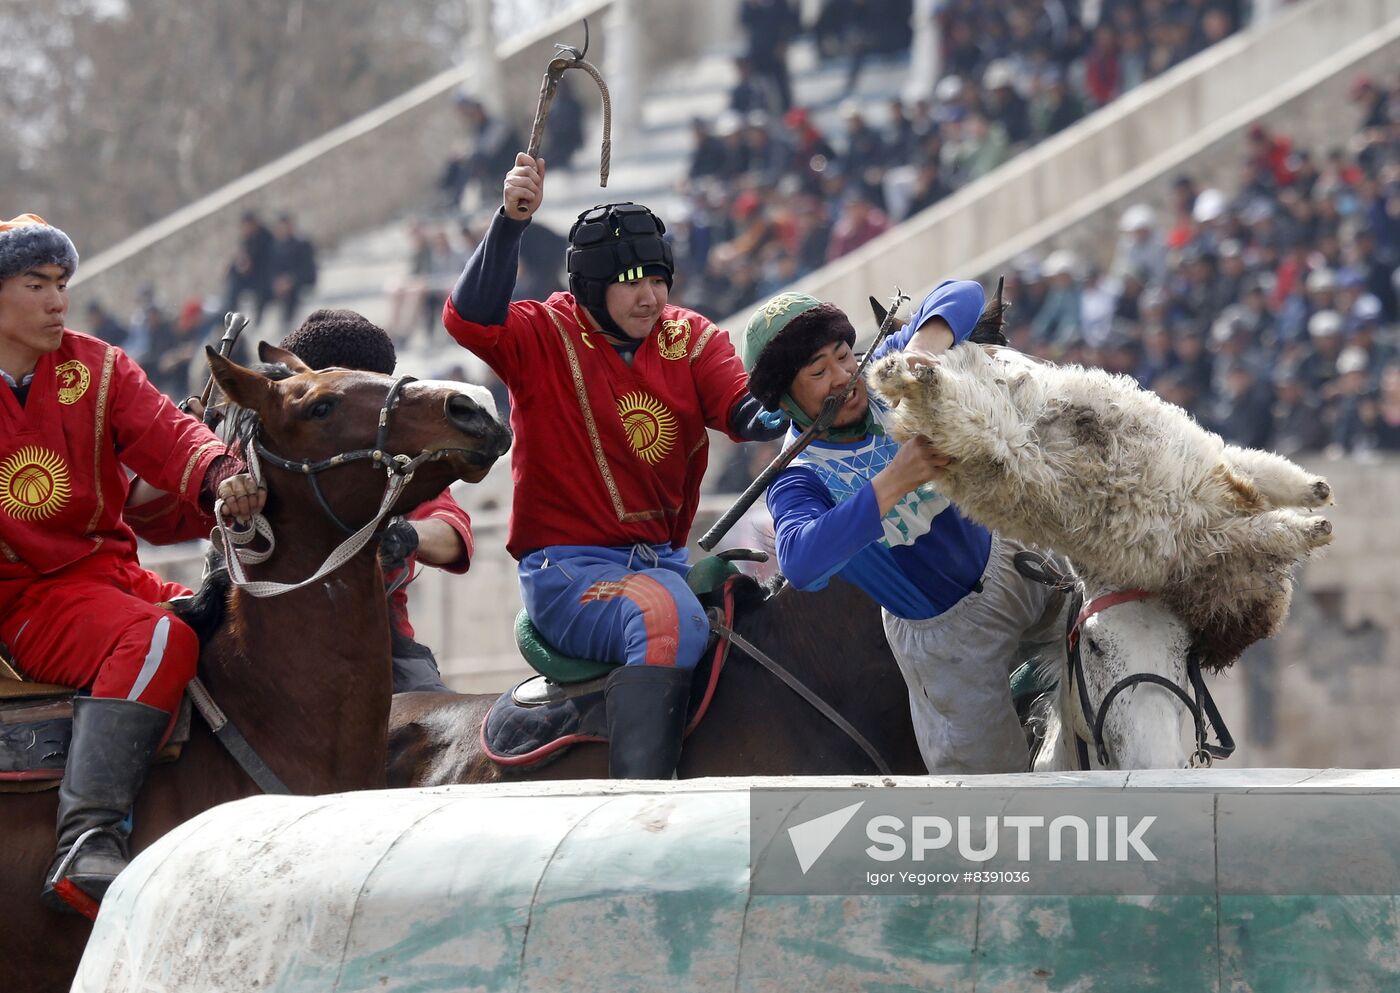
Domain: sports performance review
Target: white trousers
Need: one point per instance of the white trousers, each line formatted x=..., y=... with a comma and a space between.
x=958, y=667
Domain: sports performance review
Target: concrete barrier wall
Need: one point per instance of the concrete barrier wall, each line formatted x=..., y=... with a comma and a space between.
x=1115, y=152
x=378, y=166
x=646, y=886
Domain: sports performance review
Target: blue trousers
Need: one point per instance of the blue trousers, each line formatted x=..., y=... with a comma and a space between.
x=628, y=605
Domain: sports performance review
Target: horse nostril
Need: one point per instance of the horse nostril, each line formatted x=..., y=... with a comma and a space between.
x=464, y=414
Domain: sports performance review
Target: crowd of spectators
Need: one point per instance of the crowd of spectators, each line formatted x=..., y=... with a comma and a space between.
x=1269, y=310
x=167, y=345
x=271, y=268
x=471, y=176
x=771, y=196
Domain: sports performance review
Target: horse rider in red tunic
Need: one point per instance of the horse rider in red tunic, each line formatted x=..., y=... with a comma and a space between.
x=612, y=389
x=75, y=605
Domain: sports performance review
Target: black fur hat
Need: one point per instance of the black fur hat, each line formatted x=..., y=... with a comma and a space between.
x=781, y=337
x=27, y=242
x=342, y=338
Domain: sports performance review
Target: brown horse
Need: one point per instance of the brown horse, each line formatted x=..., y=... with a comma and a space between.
x=305, y=676
x=833, y=641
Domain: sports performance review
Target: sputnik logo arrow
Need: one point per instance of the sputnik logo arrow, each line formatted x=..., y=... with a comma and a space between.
x=811, y=838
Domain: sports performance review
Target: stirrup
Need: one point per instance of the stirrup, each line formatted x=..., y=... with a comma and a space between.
x=68, y=891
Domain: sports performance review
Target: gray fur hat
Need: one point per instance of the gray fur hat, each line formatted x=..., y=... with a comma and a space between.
x=27, y=242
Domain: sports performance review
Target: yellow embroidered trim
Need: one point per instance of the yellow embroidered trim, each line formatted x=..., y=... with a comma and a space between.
x=189, y=466
x=109, y=360
x=594, y=438
x=700, y=342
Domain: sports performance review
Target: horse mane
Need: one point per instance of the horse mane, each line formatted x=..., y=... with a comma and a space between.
x=1045, y=665
x=241, y=427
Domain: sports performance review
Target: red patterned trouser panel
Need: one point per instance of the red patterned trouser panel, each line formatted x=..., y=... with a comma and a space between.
x=658, y=610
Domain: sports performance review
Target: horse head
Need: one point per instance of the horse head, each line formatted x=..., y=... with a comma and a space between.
x=1124, y=650
x=1129, y=686
x=347, y=422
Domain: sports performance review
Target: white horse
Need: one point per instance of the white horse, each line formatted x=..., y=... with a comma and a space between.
x=1126, y=687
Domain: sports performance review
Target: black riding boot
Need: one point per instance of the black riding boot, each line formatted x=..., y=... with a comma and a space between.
x=646, y=708
x=113, y=741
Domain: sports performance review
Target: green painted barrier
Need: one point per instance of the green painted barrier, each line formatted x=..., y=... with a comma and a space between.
x=644, y=887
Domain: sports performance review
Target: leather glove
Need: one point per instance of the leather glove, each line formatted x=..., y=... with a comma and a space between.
x=752, y=423
x=397, y=543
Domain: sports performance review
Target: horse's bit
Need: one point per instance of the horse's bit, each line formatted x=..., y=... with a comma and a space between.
x=1204, y=712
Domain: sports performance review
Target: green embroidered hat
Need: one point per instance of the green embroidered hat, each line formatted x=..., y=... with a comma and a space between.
x=781, y=337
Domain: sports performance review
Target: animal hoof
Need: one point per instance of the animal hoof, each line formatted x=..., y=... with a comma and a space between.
x=1320, y=495
x=1320, y=532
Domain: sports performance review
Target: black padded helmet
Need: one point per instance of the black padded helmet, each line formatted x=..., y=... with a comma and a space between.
x=615, y=242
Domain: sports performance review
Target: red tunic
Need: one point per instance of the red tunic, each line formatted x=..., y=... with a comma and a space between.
x=443, y=507
x=168, y=519
x=62, y=486
x=606, y=453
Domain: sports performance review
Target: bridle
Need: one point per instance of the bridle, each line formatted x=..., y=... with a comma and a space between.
x=399, y=470
x=394, y=465
x=1200, y=704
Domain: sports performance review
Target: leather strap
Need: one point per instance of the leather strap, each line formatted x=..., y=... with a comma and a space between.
x=794, y=684
x=233, y=741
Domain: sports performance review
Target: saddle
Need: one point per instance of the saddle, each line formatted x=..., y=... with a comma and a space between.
x=36, y=724
x=543, y=716
x=36, y=719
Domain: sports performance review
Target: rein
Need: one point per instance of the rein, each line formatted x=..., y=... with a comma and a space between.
x=798, y=687
x=1201, y=705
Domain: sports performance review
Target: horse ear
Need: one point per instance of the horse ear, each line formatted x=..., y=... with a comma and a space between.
x=880, y=313
x=243, y=387
x=271, y=354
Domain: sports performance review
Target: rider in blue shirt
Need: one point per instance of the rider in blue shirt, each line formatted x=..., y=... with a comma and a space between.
x=860, y=505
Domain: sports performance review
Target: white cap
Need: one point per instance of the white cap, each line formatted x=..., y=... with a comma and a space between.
x=1209, y=205
x=1138, y=217
x=1059, y=262
x=728, y=123
x=1366, y=308
x=948, y=89
x=1320, y=280
x=1352, y=359
x=999, y=73
x=1324, y=323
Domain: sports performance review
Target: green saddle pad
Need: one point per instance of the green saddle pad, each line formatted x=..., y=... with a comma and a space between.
x=1025, y=686
x=704, y=577
x=550, y=662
